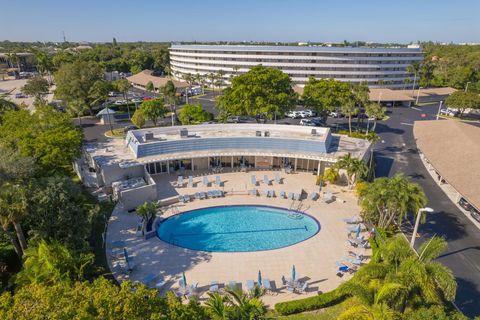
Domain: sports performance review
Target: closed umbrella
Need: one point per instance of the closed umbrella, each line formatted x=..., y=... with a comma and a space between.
x=294, y=274
x=184, y=280
x=125, y=254
x=259, y=278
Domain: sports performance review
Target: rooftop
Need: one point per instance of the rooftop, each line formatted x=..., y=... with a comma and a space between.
x=452, y=147
x=294, y=48
x=145, y=76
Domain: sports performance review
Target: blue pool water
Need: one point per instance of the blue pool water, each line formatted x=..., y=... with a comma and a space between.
x=237, y=229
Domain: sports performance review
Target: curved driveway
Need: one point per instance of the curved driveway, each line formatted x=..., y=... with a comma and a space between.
x=396, y=152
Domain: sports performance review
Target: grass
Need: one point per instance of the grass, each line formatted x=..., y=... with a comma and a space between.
x=115, y=133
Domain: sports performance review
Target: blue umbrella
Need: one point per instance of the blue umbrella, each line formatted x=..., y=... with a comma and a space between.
x=127, y=260
x=184, y=280
x=259, y=278
x=293, y=273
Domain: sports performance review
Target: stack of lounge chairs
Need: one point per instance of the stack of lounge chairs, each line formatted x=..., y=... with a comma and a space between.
x=184, y=198
x=200, y=195
x=190, y=181
x=215, y=193
x=180, y=181
x=313, y=196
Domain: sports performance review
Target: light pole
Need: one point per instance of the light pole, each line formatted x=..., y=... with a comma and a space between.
x=466, y=87
x=418, y=95
x=439, y=108
x=417, y=222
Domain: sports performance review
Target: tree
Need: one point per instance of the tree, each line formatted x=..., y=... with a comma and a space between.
x=48, y=136
x=415, y=69
x=259, y=91
x=148, y=212
x=150, y=87
x=153, y=109
x=170, y=94
x=193, y=114
x=44, y=64
x=98, y=93
x=123, y=85
x=77, y=108
x=331, y=175
x=56, y=202
x=217, y=306
x=326, y=95
x=354, y=167
x=75, y=80
x=53, y=263
x=245, y=305
x=138, y=119
x=349, y=109
x=388, y=200
x=200, y=80
x=6, y=105
x=14, y=167
x=36, y=87
x=375, y=111
x=189, y=79
x=13, y=205
x=462, y=100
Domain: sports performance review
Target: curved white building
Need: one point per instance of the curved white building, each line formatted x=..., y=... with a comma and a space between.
x=373, y=65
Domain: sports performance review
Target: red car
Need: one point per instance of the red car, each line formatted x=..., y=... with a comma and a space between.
x=147, y=98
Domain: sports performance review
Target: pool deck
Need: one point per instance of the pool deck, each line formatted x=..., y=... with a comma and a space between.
x=313, y=258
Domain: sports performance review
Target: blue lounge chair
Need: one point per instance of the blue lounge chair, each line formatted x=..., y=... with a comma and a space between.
x=180, y=181
x=218, y=182
x=291, y=196
x=205, y=181
x=250, y=285
x=190, y=182
x=202, y=195
x=356, y=262
x=277, y=179
x=181, y=198
x=266, y=284
x=214, y=286
x=313, y=196
x=210, y=194
x=253, y=179
x=232, y=284
x=342, y=267
x=253, y=192
x=283, y=194
x=266, y=180
x=186, y=197
x=266, y=193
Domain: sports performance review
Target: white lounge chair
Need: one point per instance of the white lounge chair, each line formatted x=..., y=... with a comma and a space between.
x=353, y=220
x=180, y=181
x=218, y=182
x=283, y=194
x=250, y=285
x=253, y=179
x=253, y=192
x=214, y=286
x=277, y=179
x=266, y=180
x=186, y=197
x=190, y=181
x=181, y=198
x=205, y=181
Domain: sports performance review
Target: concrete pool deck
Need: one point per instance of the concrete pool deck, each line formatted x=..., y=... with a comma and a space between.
x=313, y=258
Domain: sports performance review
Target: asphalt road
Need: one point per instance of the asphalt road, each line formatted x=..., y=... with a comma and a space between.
x=396, y=152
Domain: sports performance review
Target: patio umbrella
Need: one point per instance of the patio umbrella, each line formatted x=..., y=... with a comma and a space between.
x=125, y=253
x=293, y=273
x=184, y=280
x=357, y=230
x=259, y=278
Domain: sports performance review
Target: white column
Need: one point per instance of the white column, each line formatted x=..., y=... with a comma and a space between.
x=295, y=165
x=318, y=170
x=308, y=163
x=232, y=163
x=208, y=163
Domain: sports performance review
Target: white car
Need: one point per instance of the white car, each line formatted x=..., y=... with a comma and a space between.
x=449, y=112
x=292, y=114
x=302, y=114
x=137, y=100
x=310, y=113
x=335, y=114
x=120, y=102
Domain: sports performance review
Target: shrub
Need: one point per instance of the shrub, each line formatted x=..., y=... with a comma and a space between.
x=321, y=301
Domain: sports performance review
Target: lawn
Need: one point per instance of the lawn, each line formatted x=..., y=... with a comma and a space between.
x=330, y=313
x=115, y=133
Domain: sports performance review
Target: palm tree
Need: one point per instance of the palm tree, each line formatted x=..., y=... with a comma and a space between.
x=375, y=111
x=354, y=167
x=188, y=78
x=150, y=87
x=13, y=204
x=212, y=77
x=76, y=108
x=245, y=305
x=415, y=69
x=217, y=306
x=147, y=211
x=200, y=80
x=349, y=109
x=389, y=200
x=6, y=105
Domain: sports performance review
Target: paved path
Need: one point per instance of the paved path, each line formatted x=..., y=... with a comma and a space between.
x=397, y=153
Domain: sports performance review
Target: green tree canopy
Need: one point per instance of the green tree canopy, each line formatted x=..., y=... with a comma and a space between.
x=260, y=90
x=326, y=95
x=36, y=87
x=138, y=119
x=47, y=136
x=463, y=100
x=193, y=114
x=75, y=80
x=388, y=200
x=153, y=109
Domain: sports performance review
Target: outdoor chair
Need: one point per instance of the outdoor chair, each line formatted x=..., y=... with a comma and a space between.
x=277, y=179
x=180, y=181
x=267, y=284
x=291, y=196
x=282, y=194
x=205, y=181
x=353, y=220
x=218, y=182
x=186, y=197
x=214, y=286
x=266, y=180
x=253, y=179
x=313, y=196
x=190, y=181
x=181, y=199
x=250, y=285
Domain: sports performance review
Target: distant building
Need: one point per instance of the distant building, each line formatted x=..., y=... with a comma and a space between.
x=379, y=67
x=141, y=80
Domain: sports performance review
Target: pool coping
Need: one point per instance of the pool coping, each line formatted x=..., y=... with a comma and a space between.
x=240, y=205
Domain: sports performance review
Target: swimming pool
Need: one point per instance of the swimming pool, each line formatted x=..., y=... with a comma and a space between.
x=237, y=228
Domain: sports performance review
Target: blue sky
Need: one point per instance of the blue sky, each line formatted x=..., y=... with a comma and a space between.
x=260, y=20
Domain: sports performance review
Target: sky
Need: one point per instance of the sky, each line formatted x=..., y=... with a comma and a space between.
x=402, y=21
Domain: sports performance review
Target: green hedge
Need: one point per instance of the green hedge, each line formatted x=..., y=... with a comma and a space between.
x=313, y=303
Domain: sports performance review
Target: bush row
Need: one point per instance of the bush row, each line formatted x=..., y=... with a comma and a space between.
x=312, y=303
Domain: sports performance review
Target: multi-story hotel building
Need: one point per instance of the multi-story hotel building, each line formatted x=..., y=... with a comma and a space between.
x=385, y=67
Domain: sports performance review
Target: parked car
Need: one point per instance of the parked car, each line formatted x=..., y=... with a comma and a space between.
x=335, y=114
x=146, y=98
x=464, y=204
x=307, y=122
x=310, y=113
x=20, y=96
x=120, y=102
x=292, y=114
x=302, y=114
x=449, y=112
x=318, y=122
x=475, y=215
x=137, y=100
x=113, y=94
x=240, y=119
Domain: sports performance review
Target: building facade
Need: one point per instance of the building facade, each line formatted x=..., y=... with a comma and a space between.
x=379, y=67
x=128, y=166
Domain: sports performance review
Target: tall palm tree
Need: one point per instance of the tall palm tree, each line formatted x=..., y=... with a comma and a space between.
x=349, y=109
x=354, y=167
x=77, y=108
x=200, y=80
x=217, y=306
x=245, y=305
x=415, y=69
x=13, y=205
x=375, y=111
x=212, y=77
x=147, y=211
x=189, y=79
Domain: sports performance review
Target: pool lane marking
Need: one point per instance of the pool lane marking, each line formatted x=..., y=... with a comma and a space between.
x=232, y=232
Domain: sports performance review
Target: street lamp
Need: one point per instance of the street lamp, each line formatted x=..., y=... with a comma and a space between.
x=439, y=108
x=417, y=222
x=418, y=94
